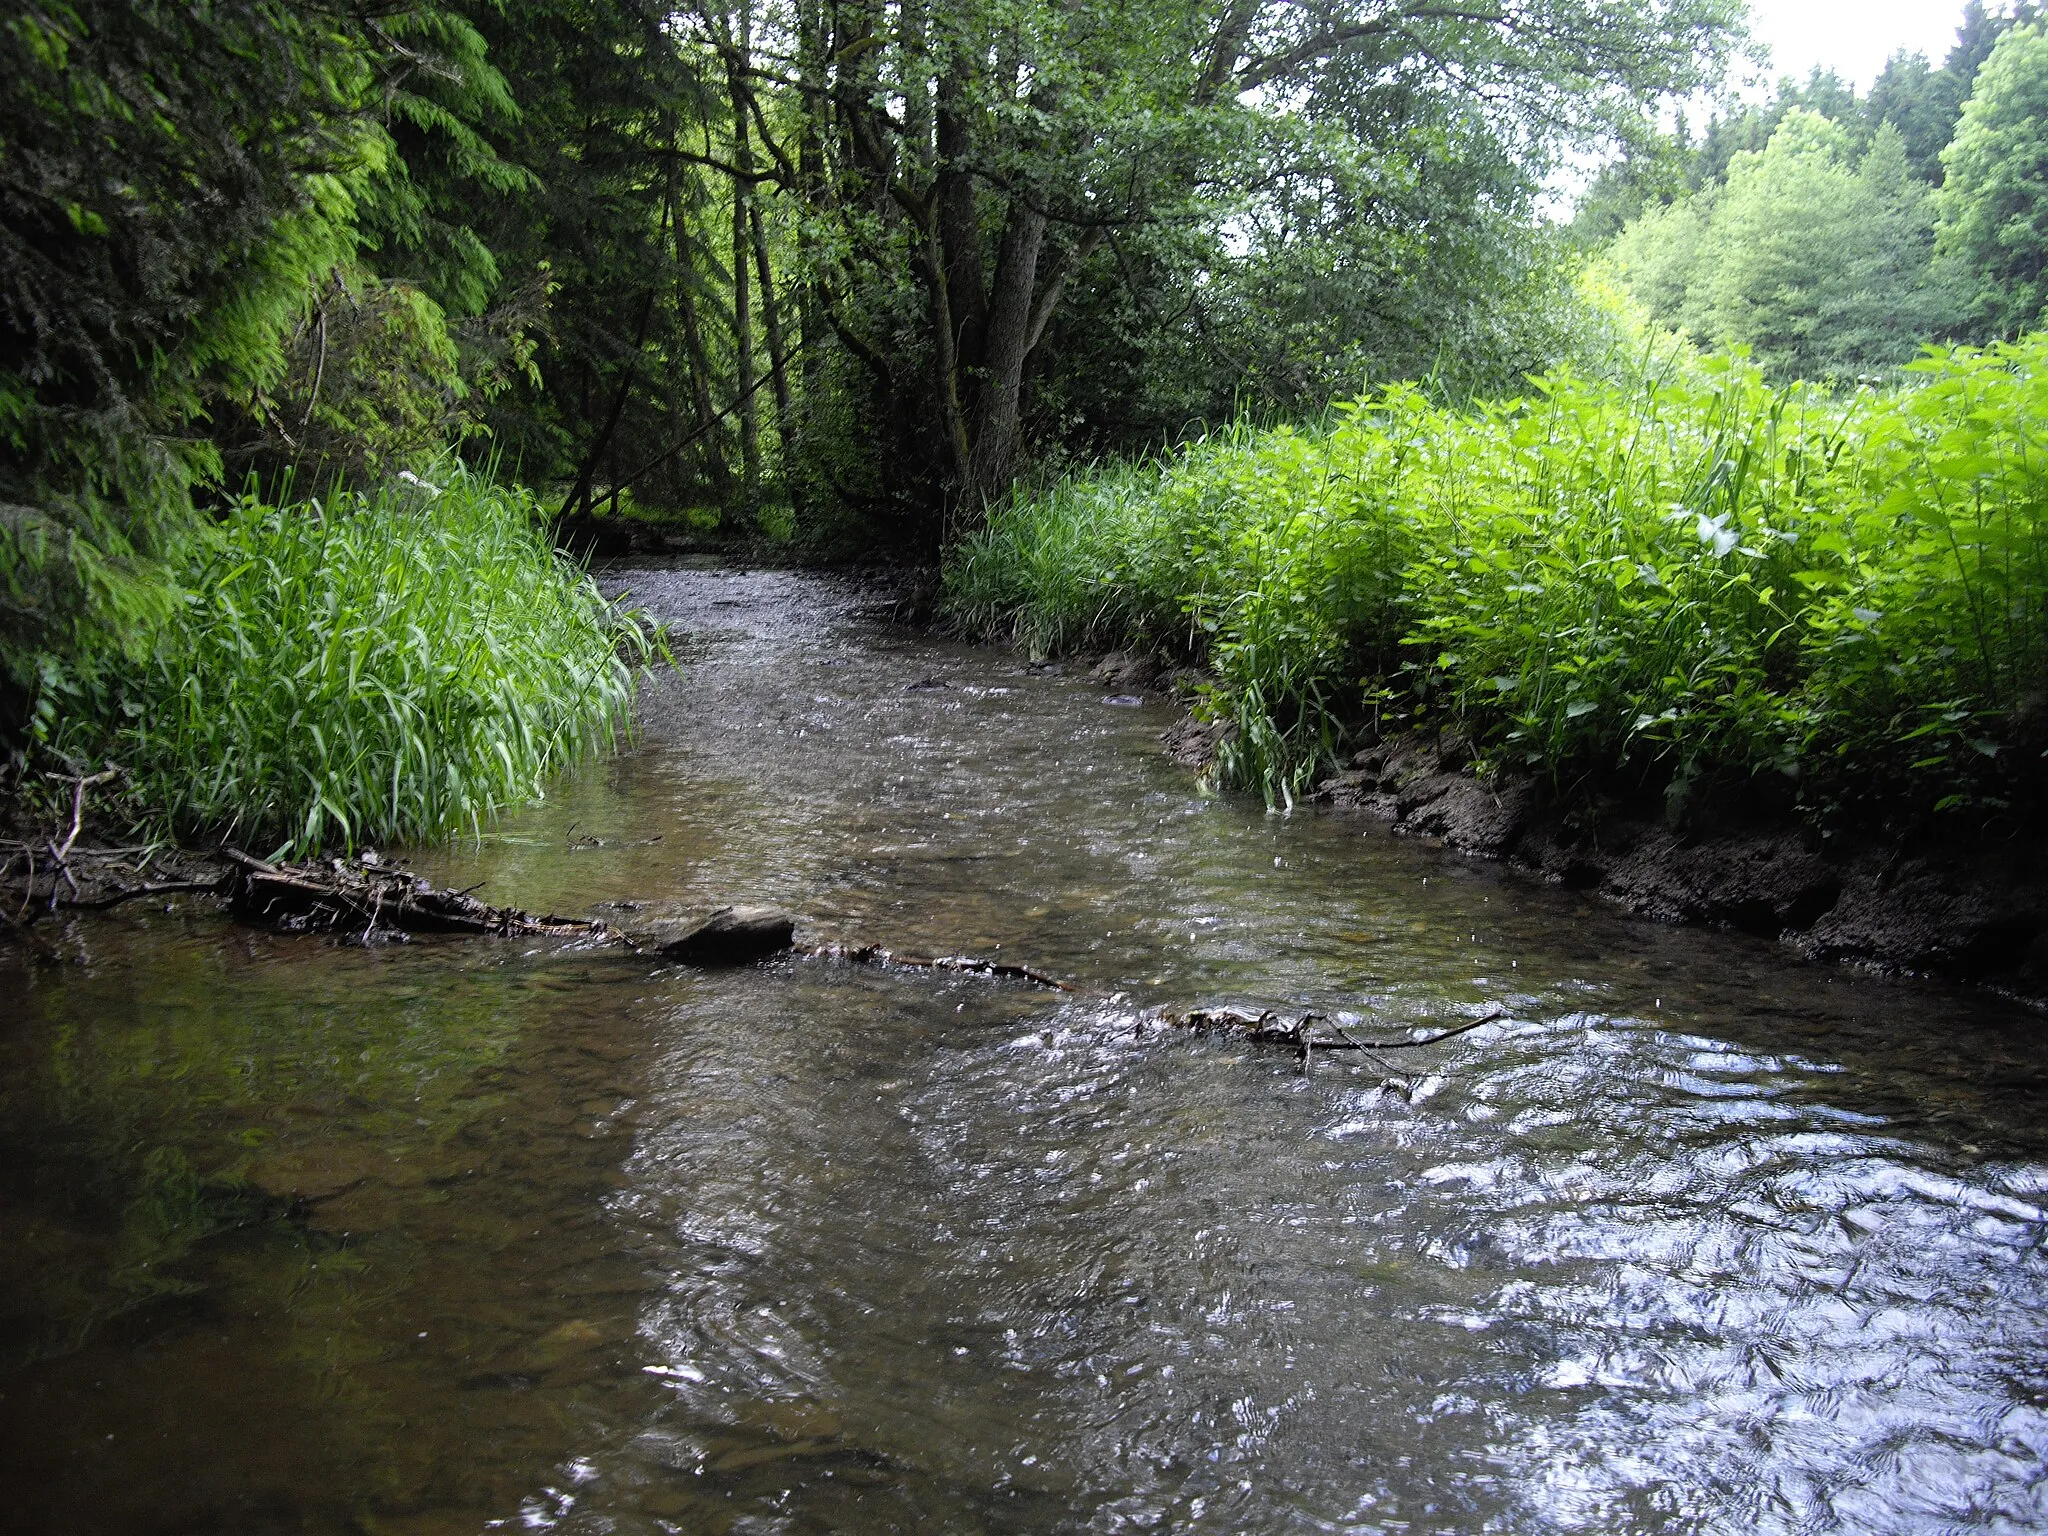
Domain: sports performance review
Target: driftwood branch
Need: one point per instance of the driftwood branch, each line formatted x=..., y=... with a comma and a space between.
x=1268, y=1029
x=367, y=901
x=79, y=785
x=875, y=955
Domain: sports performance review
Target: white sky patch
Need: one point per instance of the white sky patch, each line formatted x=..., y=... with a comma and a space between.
x=1854, y=38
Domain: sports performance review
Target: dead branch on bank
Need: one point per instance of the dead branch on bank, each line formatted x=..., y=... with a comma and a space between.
x=49, y=857
x=79, y=785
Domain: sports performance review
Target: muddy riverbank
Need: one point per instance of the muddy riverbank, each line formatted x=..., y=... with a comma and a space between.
x=1970, y=907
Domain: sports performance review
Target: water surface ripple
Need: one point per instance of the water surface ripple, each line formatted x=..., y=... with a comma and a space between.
x=447, y=1238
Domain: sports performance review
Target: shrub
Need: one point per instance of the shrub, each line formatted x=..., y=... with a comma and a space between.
x=1675, y=578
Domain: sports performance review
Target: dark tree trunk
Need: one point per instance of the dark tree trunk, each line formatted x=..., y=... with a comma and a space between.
x=778, y=356
x=1006, y=346
x=742, y=260
x=959, y=215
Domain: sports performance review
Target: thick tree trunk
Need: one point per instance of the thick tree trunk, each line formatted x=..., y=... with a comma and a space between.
x=1006, y=346
x=946, y=365
x=960, y=223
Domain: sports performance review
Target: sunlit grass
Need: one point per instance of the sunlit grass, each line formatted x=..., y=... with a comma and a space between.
x=396, y=667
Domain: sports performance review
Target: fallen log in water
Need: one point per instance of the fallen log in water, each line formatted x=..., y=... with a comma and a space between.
x=374, y=900
x=368, y=901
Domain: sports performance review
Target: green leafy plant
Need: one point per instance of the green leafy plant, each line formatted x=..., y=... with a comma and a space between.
x=397, y=666
x=1669, y=580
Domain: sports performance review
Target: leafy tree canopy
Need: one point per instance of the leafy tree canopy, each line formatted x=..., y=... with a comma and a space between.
x=1823, y=268
x=1994, y=200
x=1189, y=174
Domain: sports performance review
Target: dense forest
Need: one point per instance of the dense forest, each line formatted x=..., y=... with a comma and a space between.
x=310, y=316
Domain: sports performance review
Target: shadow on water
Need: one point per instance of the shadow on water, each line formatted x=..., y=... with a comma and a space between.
x=445, y=1238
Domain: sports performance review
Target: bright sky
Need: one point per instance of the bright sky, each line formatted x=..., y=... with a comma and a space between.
x=1852, y=37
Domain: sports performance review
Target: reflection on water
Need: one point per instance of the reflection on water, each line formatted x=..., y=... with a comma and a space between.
x=448, y=1237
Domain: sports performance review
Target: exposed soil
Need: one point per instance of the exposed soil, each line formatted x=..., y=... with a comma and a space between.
x=1971, y=908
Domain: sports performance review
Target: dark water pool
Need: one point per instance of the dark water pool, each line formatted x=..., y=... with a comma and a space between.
x=447, y=1238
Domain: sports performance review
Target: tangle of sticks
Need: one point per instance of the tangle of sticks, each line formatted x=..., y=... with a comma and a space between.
x=367, y=901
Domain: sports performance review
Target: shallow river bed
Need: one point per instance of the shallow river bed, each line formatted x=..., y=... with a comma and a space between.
x=450, y=1237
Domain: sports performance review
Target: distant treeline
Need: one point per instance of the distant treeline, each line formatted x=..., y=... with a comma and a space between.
x=1835, y=234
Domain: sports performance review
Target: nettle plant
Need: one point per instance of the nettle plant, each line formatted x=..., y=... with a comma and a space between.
x=1681, y=580
x=1927, y=644
x=1607, y=577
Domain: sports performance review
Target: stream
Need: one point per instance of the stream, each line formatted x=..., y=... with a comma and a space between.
x=453, y=1236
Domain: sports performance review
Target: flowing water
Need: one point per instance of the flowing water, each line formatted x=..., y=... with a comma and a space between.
x=456, y=1236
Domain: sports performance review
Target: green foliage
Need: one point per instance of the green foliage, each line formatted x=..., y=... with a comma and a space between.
x=1091, y=224
x=154, y=252
x=1928, y=640
x=181, y=188
x=389, y=667
x=1659, y=583
x=1919, y=100
x=1824, y=269
x=1994, y=200
x=1801, y=226
x=618, y=219
x=373, y=383
x=442, y=95
x=1921, y=103
x=1746, y=132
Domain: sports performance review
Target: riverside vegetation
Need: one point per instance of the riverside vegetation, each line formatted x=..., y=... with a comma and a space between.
x=813, y=274
x=389, y=667
x=822, y=278
x=1657, y=584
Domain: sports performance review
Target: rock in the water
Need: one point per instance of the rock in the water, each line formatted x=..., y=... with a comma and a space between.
x=1128, y=671
x=733, y=936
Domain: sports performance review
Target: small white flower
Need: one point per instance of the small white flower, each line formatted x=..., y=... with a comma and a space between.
x=1715, y=532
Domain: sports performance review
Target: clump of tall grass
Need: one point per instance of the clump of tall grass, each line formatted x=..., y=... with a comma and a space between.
x=396, y=666
x=1674, y=578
